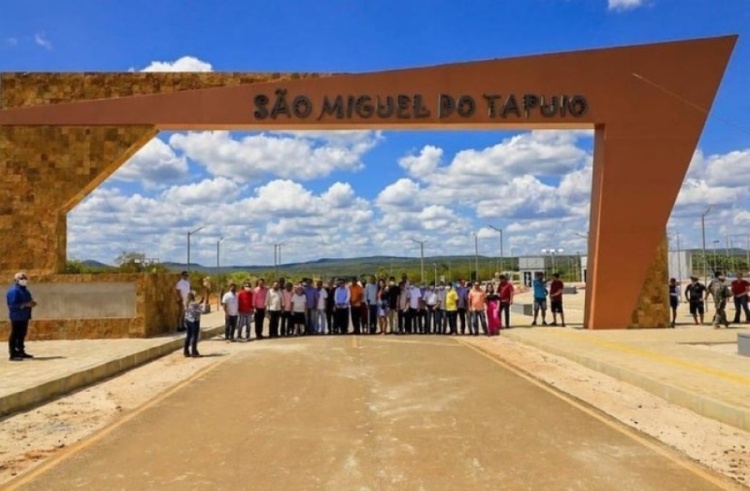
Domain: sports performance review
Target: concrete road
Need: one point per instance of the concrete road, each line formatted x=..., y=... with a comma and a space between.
x=367, y=413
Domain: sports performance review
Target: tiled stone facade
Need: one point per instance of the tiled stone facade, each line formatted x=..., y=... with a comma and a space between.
x=156, y=310
x=652, y=310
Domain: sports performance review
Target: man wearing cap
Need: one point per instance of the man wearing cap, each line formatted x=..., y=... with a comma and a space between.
x=20, y=304
x=694, y=295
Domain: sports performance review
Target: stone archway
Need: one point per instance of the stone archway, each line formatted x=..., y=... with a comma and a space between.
x=62, y=134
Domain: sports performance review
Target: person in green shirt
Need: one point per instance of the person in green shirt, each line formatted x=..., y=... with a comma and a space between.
x=451, y=308
x=721, y=293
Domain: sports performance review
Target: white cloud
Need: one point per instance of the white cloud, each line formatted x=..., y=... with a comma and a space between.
x=622, y=5
x=40, y=39
x=300, y=156
x=207, y=192
x=153, y=165
x=184, y=64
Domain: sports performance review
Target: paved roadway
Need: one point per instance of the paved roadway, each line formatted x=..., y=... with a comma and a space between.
x=366, y=413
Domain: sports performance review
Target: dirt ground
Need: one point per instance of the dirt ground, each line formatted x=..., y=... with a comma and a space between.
x=29, y=439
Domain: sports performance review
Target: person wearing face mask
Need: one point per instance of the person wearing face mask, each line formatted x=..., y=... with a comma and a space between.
x=230, y=304
x=20, y=304
x=245, y=309
x=430, y=303
x=393, y=291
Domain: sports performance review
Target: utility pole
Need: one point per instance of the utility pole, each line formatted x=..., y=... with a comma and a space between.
x=277, y=258
x=218, y=273
x=703, y=235
x=502, y=257
x=421, y=258
x=476, y=256
x=189, y=234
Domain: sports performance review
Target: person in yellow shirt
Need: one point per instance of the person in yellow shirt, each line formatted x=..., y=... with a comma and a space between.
x=451, y=308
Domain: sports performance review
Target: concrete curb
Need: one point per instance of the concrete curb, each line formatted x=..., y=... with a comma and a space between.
x=699, y=403
x=65, y=384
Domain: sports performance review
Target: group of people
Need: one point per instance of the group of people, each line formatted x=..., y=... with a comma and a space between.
x=375, y=307
x=696, y=294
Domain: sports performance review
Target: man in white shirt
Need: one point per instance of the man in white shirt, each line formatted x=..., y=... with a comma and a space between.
x=371, y=298
x=431, y=303
x=341, y=298
x=441, y=319
x=415, y=304
x=182, y=289
x=231, y=312
x=320, y=311
x=273, y=306
x=299, y=311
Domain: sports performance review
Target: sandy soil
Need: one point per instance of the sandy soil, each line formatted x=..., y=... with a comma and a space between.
x=721, y=447
x=29, y=438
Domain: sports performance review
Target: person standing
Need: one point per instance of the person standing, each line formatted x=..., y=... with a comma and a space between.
x=415, y=306
x=320, y=309
x=342, y=298
x=556, y=299
x=20, y=304
x=395, y=320
x=505, y=292
x=540, y=298
x=299, y=311
x=721, y=293
x=231, y=311
x=430, y=304
x=274, y=305
x=356, y=299
x=382, y=307
x=311, y=294
x=694, y=295
x=287, y=325
x=245, y=309
x=371, y=298
x=493, y=311
x=463, y=301
x=260, y=295
x=451, y=308
x=674, y=300
x=193, y=326
x=182, y=289
x=477, y=301
x=330, y=305
x=740, y=289
x=403, y=309
x=440, y=318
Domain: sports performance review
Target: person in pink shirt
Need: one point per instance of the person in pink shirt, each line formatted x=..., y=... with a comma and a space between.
x=259, y=303
x=494, y=323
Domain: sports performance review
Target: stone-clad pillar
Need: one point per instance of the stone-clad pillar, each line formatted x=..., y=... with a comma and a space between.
x=652, y=310
x=46, y=171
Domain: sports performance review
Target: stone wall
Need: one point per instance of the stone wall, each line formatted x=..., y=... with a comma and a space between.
x=47, y=171
x=156, y=309
x=652, y=310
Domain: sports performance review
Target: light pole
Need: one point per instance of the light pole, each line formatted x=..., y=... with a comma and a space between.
x=552, y=252
x=747, y=248
x=277, y=258
x=476, y=256
x=189, y=234
x=703, y=235
x=496, y=229
x=421, y=258
x=218, y=273
x=434, y=265
x=716, y=255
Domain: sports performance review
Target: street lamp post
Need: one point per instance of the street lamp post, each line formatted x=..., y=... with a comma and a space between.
x=497, y=229
x=277, y=258
x=189, y=234
x=703, y=235
x=218, y=273
x=552, y=252
x=716, y=255
x=421, y=258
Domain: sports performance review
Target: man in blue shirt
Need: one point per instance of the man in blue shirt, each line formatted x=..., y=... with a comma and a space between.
x=540, y=298
x=20, y=304
x=311, y=298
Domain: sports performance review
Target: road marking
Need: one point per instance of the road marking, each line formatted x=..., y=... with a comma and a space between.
x=75, y=448
x=657, y=357
x=721, y=483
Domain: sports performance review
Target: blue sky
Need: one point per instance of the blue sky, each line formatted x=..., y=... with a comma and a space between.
x=357, y=193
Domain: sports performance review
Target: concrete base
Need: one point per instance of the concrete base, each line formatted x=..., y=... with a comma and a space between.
x=743, y=343
x=70, y=382
x=522, y=308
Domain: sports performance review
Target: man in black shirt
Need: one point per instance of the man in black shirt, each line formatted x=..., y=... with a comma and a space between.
x=392, y=292
x=694, y=294
x=330, y=303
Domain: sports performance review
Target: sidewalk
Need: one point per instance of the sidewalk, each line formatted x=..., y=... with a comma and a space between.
x=61, y=367
x=696, y=367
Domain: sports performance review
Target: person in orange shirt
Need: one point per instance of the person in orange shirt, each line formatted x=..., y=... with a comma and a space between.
x=357, y=297
x=477, y=299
